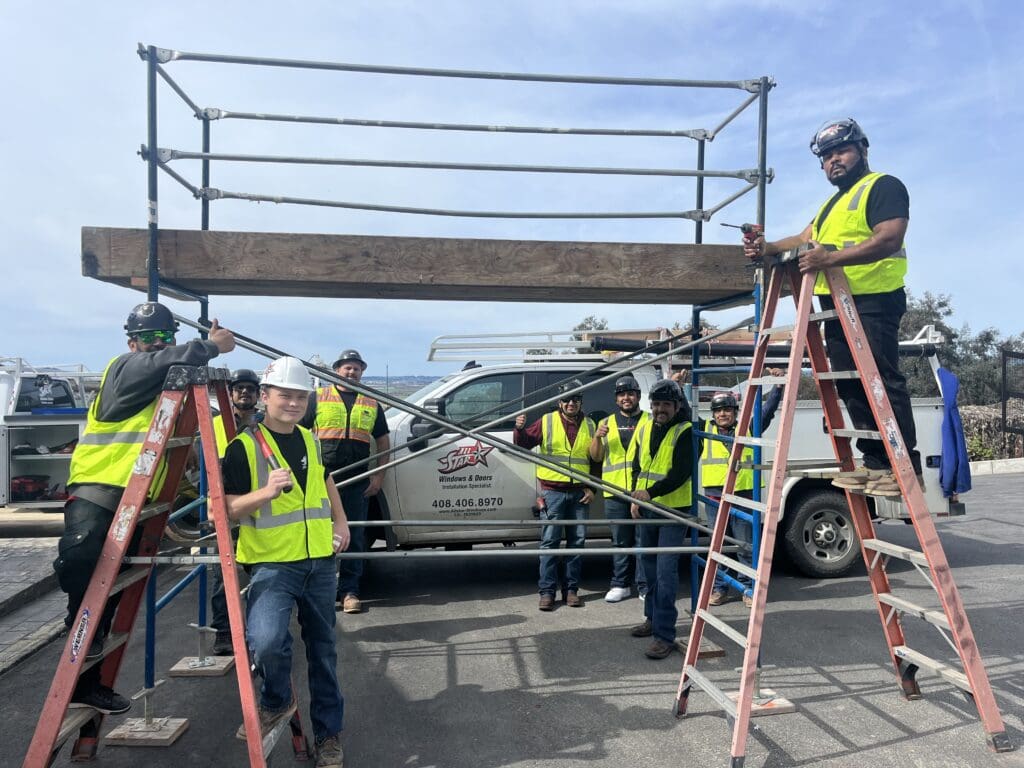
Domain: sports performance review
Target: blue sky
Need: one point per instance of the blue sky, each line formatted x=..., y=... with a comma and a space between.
x=936, y=85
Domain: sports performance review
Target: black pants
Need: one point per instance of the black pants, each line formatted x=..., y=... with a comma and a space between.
x=880, y=315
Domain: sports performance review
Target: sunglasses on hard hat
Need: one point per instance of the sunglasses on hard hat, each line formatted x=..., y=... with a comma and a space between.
x=150, y=337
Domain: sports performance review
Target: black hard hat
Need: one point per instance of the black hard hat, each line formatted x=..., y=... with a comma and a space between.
x=150, y=316
x=245, y=374
x=724, y=400
x=626, y=384
x=835, y=133
x=666, y=389
x=347, y=356
x=570, y=385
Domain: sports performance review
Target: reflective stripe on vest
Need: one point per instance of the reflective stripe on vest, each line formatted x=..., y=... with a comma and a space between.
x=296, y=525
x=107, y=450
x=846, y=225
x=714, y=464
x=655, y=468
x=618, y=460
x=334, y=422
x=554, y=446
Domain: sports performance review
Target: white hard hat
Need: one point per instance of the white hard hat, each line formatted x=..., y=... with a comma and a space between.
x=288, y=373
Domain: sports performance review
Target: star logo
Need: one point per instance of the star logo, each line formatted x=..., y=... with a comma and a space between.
x=464, y=456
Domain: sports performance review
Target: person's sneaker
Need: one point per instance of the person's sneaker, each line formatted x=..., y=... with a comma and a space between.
x=854, y=481
x=748, y=600
x=267, y=720
x=351, y=604
x=659, y=649
x=329, y=753
x=547, y=603
x=222, y=645
x=102, y=699
x=883, y=483
x=617, y=594
x=95, y=649
x=573, y=600
x=717, y=597
x=642, y=630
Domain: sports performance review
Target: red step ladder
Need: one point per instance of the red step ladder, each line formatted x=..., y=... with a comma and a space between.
x=951, y=620
x=182, y=409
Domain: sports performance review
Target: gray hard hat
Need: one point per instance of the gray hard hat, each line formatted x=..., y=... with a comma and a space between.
x=349, y=356
x=835, y=133
x=724, y=400
x=570, y=385
x=245, y=374
x=626, y=384
x=150, y=316
x=666, y=389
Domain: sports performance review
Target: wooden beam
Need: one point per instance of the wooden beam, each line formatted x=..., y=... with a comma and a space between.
x=363, y=266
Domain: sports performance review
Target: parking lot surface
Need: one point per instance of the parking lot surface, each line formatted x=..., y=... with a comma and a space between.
x=453, y=666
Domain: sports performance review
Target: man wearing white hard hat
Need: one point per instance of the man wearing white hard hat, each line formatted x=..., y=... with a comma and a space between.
x=291, y=523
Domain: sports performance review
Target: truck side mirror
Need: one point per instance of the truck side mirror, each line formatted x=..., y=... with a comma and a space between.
x=434, y=405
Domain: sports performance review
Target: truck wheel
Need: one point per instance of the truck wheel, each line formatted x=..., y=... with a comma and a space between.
x=820, y=539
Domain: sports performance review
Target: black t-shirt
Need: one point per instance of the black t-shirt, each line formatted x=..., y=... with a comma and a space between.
x=888, y=199
x=627, y=426
x=235, y=466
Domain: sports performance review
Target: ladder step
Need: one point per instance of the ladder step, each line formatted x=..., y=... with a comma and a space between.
x=867, y=434
x=739, y=501
x=74, y=720
x=111, y=643
x=895, y=550
x=761, y=442
x=766, y=381
x=733, y=565
x=152, y=510
x=178, y=442
x=766, y=332
x=936, y=618
x=737, y=637
x=132, y=576
x=716, y=693
x=946, y=672
x=793, y=466
x=828, y=314
x=832, y=375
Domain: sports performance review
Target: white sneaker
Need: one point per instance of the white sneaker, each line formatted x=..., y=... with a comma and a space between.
x=615, y=594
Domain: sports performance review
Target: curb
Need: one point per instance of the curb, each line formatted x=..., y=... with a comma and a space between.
x=997, y=467
x=30, y=644
x=28, y=593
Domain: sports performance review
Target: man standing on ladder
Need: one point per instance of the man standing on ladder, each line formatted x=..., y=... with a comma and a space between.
x=348, y=425
x=102, y=463
x=662, y=473
x=612, y=445
x=860, y=228
x=291, y=525
x=564, y=438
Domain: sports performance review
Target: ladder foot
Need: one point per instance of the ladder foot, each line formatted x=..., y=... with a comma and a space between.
x=679, y=705
x=908, y=682
x=1000, y=742
x=300, y=744
x=736, y=762
x=84, y=750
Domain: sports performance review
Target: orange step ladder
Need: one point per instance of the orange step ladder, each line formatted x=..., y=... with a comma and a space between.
x=971, y=677
x=183, y=408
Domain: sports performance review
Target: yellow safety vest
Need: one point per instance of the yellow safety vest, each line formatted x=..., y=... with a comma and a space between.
x=846, y=225
x=334, y=422
x=618, y=459
x=554, y=446
x=107, y=450
x=296, y=525
x=219, y=432
x=655, y=468
x=714, y=464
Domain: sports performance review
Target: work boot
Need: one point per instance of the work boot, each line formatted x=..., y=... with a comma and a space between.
x=659, y=649
x=572, y=599
x=852, y=481
x=351, y=604
x=102, y=699
x=222, y=645
x=883, y=483
x=643, y=630
x=748, y=599
x=547, y=603
x=329, y=753
x=268, y=720
x=718, y=597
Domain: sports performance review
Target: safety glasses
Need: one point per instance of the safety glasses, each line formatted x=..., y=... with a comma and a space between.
x=571, y=399
x=150, y=337
x=243, y=388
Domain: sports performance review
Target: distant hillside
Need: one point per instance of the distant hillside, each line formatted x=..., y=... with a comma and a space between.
x=399, y=386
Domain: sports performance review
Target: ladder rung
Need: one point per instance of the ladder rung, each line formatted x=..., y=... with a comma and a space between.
x=828, y=314
x=74, y=720
x=867, y=434
x=737, y=637
x=832, y=375
x=895, y=550
x=793, y=466
x=716, y=693
x=129, y=577
x=762, y=442
x=739, y=501
x=946, y=672
x=733, y=565
x=112, y=642
x=937, y=618
x=178, y=442
x=766, y=380
x=152, y=510
x=765, y=332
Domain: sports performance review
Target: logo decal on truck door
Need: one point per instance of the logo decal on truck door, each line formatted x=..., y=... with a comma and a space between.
x=464, y=456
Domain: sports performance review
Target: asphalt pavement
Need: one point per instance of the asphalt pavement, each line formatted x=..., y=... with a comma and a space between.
x=453, y=666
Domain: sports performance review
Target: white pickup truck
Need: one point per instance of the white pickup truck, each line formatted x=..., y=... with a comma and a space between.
x=471, y=480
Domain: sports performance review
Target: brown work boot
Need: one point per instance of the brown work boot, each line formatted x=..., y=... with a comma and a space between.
x=748, y=600
x=329, y=753
x=643, y=630
x=883, y=483
x=572, y=599
x=659, y=649
x=267, y=720
x=547, y=603
x=852, y=481
x=351, y=604
x=718, y=597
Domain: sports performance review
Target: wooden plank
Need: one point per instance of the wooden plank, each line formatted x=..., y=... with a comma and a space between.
x=363, y=266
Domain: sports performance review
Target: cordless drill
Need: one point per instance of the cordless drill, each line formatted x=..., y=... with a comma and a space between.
x=750, y=231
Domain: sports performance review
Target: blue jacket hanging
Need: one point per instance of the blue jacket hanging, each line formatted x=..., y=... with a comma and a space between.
x=955, y=469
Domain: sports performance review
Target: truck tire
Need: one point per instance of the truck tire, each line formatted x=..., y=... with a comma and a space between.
x=819, y=537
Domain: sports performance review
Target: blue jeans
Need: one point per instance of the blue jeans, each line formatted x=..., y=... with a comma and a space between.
x=738, y=529
x=274, y=588
x=662, y=572
x=356, y=505
x=624, y=536
x=562, y=505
